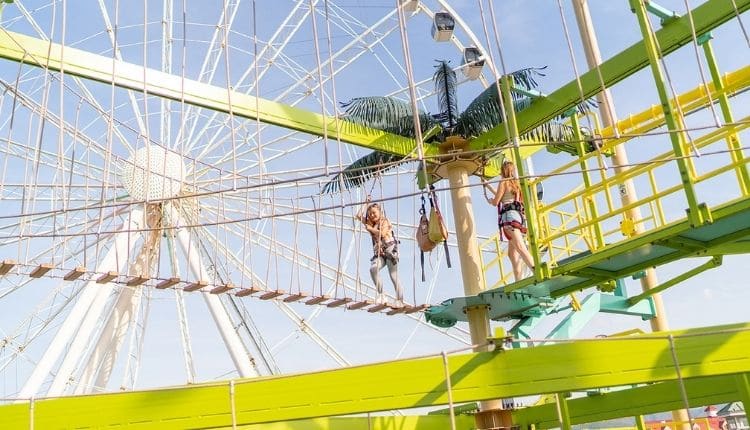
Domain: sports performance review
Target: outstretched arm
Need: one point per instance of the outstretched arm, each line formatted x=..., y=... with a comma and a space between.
x=496, y=194
x=360, y=215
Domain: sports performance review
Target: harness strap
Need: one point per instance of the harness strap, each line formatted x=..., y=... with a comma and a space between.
x=421, y=253
x=433, y=195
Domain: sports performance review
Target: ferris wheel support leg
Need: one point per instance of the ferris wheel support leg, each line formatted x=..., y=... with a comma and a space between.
x=98, y=368
x=238, y=352
x=96, y=311
x=102, y=358
x=73, y=324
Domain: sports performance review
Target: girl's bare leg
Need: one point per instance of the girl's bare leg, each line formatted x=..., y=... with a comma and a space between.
x=515, y=261
x=521, y=247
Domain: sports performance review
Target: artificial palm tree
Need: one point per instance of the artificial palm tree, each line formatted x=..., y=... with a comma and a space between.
x=481, y=115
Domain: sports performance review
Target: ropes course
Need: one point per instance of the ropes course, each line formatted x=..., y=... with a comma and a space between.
x=184, y=187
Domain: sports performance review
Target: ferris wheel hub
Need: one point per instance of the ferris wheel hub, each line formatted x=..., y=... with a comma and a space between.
x=153, y=173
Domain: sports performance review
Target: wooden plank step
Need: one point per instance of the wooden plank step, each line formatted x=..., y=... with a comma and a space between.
x=359, y=305
x=295, y=297
x=103, y=279
x=317, y=300
x=396, y=310
x=268, y=295
x=338, y=302
x=166, y=283
x=244, y=292
x=414, y=309
x=377, y=307
x=41, y=270
x=6, y=265
x=221, y=289
x=195, y=286
x=75, y=273
x=136, y=280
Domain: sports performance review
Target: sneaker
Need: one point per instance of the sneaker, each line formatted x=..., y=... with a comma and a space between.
x=398, y=304
x=380, y=299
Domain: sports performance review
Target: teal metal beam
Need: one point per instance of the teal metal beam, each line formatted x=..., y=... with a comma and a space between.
x=569, y=366
x=594, y=304
x=664, y=14
x=36, y=52
x=707, y=16
x=635, y=401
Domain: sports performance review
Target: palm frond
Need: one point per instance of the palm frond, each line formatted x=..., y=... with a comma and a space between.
x=526, y=78
x=362, y=170
x=484, y=113
x=385, y=113
x=445, y=87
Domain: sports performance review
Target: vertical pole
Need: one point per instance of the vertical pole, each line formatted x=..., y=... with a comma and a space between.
x=743, y=389
x=468, y=254
x=528, y=200
x=733, y=140
x=620, y=163
x=697, y=214
x=590, y=200
x=563, y=411
x=640, y=423
x=31, y=413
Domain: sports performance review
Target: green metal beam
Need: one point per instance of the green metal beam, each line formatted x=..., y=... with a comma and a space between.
x=710, y=264
x=570, y=366
x=36, y=52
x=707, y=16
x=635, y=401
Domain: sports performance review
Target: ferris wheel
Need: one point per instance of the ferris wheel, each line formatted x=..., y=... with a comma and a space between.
x=151, y=233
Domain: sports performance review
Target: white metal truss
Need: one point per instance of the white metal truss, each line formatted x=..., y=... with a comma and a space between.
x=240, y=356
x=98, y=367
x=82, y=317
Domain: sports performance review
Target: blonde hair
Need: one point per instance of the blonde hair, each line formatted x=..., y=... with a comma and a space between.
x=508, y=171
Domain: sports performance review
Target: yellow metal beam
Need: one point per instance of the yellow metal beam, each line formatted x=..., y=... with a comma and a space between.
x=573, y=366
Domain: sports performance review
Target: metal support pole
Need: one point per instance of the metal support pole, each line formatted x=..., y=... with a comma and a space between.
x=620, y=157
x=710, y=264
x=620, y=162
x=743, y=389
x=468, y=254
x=528, y=200
x=698, y=213
x=563, y=411
x=590, y=200
x=733, y=140
x=640, y=423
